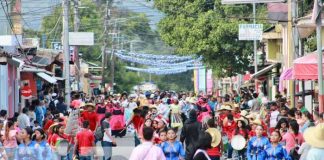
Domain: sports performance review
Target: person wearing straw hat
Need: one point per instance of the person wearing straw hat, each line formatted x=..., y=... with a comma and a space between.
x=242, y=130
x=90, y=115
x=223, y=111
x=236, y=112
x=215, y=152
x=314, y=136
x=254, y=124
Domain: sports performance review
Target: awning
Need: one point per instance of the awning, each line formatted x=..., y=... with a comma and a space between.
x=287, y=74
x=46, y=77
x=305, y=68
x=59, y=78
x=264, y=70
x=34, y=70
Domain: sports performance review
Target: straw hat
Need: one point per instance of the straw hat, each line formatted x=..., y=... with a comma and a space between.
x=244, y=113
x=314, y=136
x=242, y=120
x=90, y=105
x=216, y=136
x=257, y=122
x=251, y=115
x=225, y=107
x=236, y=105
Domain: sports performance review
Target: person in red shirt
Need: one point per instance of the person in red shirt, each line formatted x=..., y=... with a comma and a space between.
x=90, y=115
x=254, y=124
x=137, y=120
x=85, y=142
x=58, y=135
x=217, y=146
x=229, y=126
x=242, y=130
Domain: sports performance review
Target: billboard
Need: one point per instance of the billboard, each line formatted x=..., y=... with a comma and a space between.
x=250, y=32
x=81, y=38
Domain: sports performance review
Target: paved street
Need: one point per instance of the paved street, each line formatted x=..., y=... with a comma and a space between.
x=124, y=148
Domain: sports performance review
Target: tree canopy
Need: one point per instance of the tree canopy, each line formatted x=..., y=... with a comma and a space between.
x=210, y=29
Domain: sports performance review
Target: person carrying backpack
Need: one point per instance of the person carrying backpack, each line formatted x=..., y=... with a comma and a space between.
x=53, y=102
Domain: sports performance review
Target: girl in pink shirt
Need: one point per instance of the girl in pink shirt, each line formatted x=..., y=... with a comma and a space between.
x=293, y=137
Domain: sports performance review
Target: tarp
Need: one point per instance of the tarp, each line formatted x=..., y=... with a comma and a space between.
x=305, y=68
x=46, y=77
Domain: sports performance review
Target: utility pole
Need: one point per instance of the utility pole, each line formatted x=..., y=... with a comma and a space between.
x=255, y=51
x=66, y=50
x=76, y=48
x=290, y=42
x=295, y=51
x=320, y=55
x=104, y=48
x=112, y=58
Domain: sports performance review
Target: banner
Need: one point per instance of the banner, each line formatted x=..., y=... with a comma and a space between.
x=202, y=80
x=209, y=81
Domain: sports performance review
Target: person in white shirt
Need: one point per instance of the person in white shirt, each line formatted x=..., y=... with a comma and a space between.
x=108, y=141
x=23, y=119
x=273, y=115
x=147, y=150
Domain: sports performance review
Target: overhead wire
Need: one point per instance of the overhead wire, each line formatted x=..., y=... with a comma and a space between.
x=12, y=29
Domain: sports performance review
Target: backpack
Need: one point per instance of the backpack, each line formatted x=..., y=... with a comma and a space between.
x=52, y=105
x=99, y=133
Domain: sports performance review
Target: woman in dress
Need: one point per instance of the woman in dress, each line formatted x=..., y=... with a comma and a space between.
x=117, y=121
x=10, y=139
x=175, y=108
x=275, y=151
x=27, y=149
x=100, y=110
x=172, y=148
x=44, y=148
x=257, y=145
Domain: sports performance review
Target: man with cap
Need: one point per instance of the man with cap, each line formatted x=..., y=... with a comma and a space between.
x=300, y=106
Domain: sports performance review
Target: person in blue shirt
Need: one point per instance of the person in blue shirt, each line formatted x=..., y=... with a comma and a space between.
x=44, y=148
x=172, y=149
x=275, y=150
x=27, y=149
x=257, y=145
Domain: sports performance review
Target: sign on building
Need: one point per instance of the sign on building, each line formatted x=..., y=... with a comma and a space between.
x=250, y=32
x=81, y=38
x=250, y=1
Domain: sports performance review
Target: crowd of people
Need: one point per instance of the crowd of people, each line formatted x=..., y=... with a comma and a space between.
x=165, y=125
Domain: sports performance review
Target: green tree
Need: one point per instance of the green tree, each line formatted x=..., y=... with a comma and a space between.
x=210, y=29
